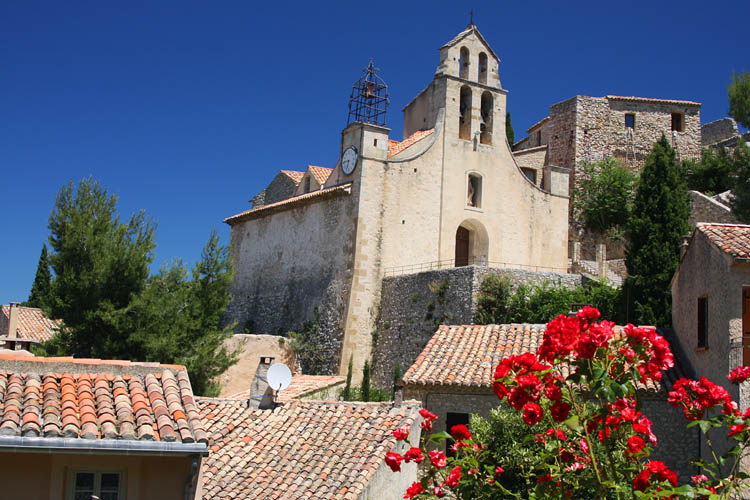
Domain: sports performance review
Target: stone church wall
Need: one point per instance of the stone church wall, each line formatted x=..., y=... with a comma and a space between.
x=295, y=267
x=413, y=306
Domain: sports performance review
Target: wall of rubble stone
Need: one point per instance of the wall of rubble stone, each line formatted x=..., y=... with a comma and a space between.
x=719, y=130
x=706, y=209
x=412, y=306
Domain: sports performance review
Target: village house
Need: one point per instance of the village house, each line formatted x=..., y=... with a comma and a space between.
x=84, y=428
x=22, y=326
x=316, y=245
x=453, y=376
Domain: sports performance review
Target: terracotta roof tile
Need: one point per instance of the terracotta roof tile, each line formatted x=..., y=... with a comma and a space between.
x=301, y=385
x=32, y=323
x=289, y=202
x=294, y=175
x=733, y=239
x=466, y=356
x=651, y=100
x=303, y=449
x=320, y=173
x=54, y=397
x=395, y=147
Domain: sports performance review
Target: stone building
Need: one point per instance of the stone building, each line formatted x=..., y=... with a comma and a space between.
x=452, y=377
x=587, y=129
x=450, y=194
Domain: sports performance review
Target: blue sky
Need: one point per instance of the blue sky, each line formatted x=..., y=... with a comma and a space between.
x=187, y=109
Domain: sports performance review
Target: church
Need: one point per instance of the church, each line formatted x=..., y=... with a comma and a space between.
x=315, y=245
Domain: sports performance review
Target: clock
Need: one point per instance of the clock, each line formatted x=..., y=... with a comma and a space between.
x=349, y=160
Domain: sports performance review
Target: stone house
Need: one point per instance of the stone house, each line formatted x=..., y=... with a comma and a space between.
x=449, y=194
x=452, y=377
x=21, y=326
x=306, y=449
x=75, y=428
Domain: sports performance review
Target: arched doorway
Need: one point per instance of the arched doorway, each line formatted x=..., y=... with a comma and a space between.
x=472, y=244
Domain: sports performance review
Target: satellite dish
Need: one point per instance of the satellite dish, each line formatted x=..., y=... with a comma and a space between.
x=279, y=377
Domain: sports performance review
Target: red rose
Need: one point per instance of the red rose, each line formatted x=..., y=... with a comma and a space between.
x=736, y=429
x=401, y=433
x=545, y=478
x=635, y=444
x=414, y=454
x=438, y=492
x=739, y=374
x=460, y=432
x=453, y=477
x=413, y=490
x=393, y=460
x=559, y=411
x=438, y=459
x=588, y=313
x=532, y=413
x=584, y=446
x=499, y=471
x=640, y=482
x=499, y=389
x=427, y=415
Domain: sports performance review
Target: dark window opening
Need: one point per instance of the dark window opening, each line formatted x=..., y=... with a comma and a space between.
x=630, y=121
x=483, y=68
x=539, y=138
x=452, y=419
x=530, y=174
x=463, y=63
x=677, y=122
x=702, y=321
x=485, y=123
x=474, y=191
x=464, y=125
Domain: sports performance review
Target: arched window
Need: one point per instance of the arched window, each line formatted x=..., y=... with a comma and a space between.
x=464, y=120
x=485, y=124
x=483, y=68
x=463, y=63
x=474, y=191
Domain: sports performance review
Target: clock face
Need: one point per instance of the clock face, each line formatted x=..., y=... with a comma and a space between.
x=349, y=160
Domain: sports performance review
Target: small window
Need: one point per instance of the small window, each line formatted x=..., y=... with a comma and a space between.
x=307, y=184
x=630, y=121
x=677, y=122
x=530, y=174
x=107, y=485
x=702, y=322
x=474, y=191
x=452, y=419
x=539, y=138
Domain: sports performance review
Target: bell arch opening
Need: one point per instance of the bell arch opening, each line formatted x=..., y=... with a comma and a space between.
x=472, y=244
x=464, y=60
x=464, y=118
x=482, y=68
x=485, y=125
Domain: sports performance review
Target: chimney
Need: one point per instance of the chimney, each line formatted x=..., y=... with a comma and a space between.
x=261, y=395
x=13, y=311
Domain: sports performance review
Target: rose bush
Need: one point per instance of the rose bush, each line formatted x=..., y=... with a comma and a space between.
x=585, y=379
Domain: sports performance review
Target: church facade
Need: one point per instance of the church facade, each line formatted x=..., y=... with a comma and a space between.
x=316, y=245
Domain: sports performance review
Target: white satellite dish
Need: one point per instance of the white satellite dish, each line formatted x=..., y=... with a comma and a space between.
x=279, y=377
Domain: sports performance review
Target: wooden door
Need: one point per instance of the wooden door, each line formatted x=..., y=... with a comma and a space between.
x=462, y=247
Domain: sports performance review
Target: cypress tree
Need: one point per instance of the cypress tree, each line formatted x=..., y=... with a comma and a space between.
x=40, y=289
x=658, y=222
x=509, y=130
x=365, y=390
x=346, y=395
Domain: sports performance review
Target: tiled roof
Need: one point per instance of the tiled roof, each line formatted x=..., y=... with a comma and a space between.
x=395, y=147
x=733, y=239
x=32, y=323
x=301, y=385
x=96, y=399
x=263, y=210
x=320, y=173
x=465, y=356
x=294, y=175
x=655, y=101
x=302, y=450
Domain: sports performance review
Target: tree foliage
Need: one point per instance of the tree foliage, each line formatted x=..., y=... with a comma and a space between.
x=603, y=195
x=740, y=164
x=111, y=308
x=41, y=288
x=501, y=301
x=509, y=130
x=713, y=174
x=657, y=224
x=739, y=98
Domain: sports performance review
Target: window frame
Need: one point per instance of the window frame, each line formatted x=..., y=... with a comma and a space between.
x=702, y=323
x=630, y=115
x=681, y=122
x=477, y=190
x=70, y=478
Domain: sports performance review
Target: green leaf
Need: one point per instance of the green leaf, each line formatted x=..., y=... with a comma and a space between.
x=439, y=437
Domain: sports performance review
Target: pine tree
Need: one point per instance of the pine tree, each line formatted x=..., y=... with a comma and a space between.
x=739, y=98
x=658, y=222
x=41, y=288
x=740, y=166
x=509, y=130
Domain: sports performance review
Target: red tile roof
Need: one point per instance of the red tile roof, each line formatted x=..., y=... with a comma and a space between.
x=651, y=100
x=733, y=239
x=294, y=175
x=320, y=173
x=395, y=147
x=97, y=399
x=465, y=356
x=32, y=323
x=253, y=213
x=302, y=450
x=302, y=385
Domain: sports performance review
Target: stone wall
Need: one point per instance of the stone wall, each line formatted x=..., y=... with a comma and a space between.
x=706, y=209
x=719, y=130
x=280, y=188
x=239, y=376
x=413, y=306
